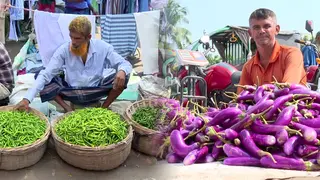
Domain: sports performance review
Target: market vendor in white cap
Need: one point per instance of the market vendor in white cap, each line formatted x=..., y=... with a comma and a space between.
x=77, y=71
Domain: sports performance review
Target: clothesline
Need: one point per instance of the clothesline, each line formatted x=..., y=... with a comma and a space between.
x=32, y=10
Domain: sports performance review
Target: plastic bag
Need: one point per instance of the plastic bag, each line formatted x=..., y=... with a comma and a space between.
x=152, y=86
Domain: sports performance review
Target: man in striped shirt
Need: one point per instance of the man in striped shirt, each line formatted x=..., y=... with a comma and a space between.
x=6, y=76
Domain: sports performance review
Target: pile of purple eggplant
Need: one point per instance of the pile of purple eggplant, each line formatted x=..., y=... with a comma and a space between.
x=273, y=126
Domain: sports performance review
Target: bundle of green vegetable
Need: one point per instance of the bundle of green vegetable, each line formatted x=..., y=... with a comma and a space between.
x=92, y=127
x=147, y=116
x=20, y=128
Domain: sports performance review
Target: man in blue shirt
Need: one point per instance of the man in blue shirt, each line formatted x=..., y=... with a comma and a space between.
x=310, y=53
x=85, y=62
x=79, y=7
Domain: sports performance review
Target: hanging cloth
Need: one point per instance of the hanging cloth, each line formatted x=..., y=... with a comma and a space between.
x=120, y=31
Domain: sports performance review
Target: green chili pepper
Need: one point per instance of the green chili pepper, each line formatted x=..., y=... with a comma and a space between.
x=20, y=128
x=146, y=116
x=92, y=127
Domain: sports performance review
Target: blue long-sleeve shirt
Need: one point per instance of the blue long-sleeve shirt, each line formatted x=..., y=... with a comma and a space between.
x=101, y=56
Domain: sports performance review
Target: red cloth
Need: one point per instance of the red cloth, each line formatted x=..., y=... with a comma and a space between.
x=47, y=7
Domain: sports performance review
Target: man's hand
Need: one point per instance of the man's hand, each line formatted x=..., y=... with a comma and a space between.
x=119, y=80
x=22, y=105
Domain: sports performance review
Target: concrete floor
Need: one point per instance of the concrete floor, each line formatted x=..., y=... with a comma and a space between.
x=141, y=167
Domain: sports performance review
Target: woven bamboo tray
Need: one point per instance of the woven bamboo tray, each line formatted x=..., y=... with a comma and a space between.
x=145, y=140
x=28, y=155
x=92, y=158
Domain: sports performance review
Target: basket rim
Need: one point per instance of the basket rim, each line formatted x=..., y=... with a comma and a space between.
x=134, y=123
x=87, y=148
x=36, y=143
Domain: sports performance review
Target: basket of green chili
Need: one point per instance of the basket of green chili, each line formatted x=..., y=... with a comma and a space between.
x=143, y=115
x=23, y=137
x=92, y=138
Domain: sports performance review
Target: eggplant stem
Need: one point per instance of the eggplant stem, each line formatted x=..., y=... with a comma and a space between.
x=294, y=131
x=255, y=116
x=219, y=146
x=231, y=93
x=201, y=107
x=165, y=144
x=264, y=120
x=204, y=119
x=207, y=144
x=264, y=153
x=310, y=154
x=234, y=97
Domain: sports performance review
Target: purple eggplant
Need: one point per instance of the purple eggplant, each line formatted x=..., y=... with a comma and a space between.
x=234, y=151
x=231, y=134
x=307, y=92
x=260, y=128
x=230, y=122
x=309, y=134
x=249, y=88
x=245, y=98
x=282, y=136
x=212, y=109
x=281, y=92
x=207, y=159
x=308, y=150
x=202, y=138
x=263, y=140
x=217, y=149
x=211, y=114
x=279, y=102
x=184, y=133
x=250, y=145
x=287, y=163
x=285, y=116
x=173, y=158
x=259, y=93
x=229, y=113
x=179, y=146
x=242, y=107
x=247, y=120
x=242, y=161
x=260, y=106
x=313, y=123
x=195, y=155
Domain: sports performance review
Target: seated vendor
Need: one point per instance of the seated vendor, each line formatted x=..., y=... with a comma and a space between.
x=271, y=59
x=6, y=76
x=84, y=80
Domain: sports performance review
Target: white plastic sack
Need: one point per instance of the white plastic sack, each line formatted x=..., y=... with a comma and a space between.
x=154, y=85
x=23, y=83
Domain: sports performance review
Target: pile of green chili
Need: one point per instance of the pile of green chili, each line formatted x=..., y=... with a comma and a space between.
x=20, y=128
x=92, y=127
x=147, y=116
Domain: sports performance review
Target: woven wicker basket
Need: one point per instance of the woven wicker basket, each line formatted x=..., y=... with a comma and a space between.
x=145, y=140
x=97, y=158
x=28, y=155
